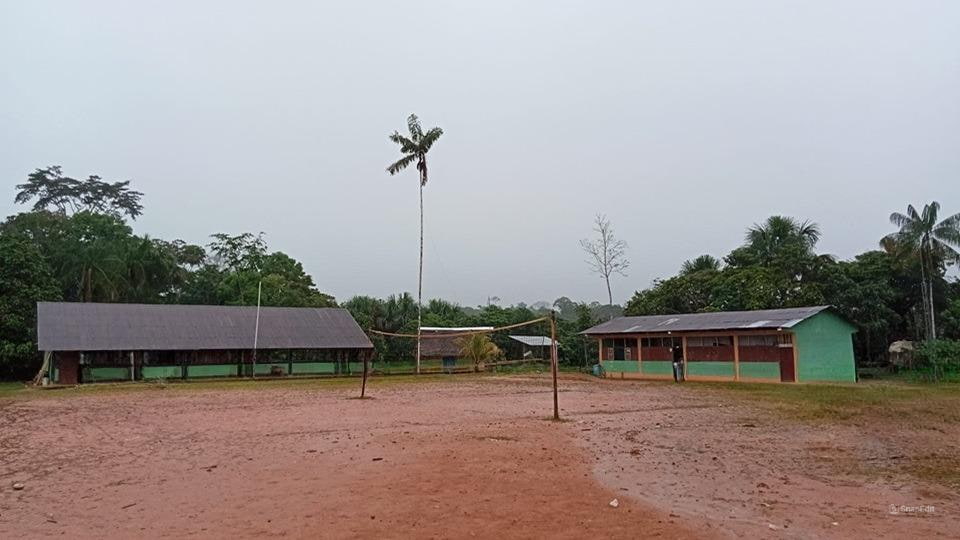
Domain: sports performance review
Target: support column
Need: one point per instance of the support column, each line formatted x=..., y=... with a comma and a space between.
x=684, y=342
x=736, y=357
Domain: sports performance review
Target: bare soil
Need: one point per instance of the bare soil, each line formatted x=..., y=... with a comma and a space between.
x=465, y=457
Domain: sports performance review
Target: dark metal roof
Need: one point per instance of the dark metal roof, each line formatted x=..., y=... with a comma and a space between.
x=720, y=320
x=75, y=326
x=441, y=347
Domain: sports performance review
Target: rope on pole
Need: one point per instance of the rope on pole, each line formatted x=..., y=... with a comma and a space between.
x=461, y=334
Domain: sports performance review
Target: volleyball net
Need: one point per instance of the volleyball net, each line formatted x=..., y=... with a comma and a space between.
x=467, y=350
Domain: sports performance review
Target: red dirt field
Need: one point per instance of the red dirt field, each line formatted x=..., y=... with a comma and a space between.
x=459, y=458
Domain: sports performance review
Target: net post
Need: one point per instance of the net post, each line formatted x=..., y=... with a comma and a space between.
x=363, y=387
x=553, y=362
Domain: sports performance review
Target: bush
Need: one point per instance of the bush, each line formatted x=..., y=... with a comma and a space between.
x=938, y=359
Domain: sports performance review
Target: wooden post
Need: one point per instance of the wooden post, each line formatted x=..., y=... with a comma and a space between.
x=363, y=387
x=640, y=354
x=736, y=357
x=553, y=362
x=133, y=368
x=684, y=343
x=796, y=356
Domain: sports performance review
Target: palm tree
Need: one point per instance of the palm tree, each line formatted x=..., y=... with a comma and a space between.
x=776, y=232
x=479, y=349
x=414, y=149
x=932, y=243
x=700, y=264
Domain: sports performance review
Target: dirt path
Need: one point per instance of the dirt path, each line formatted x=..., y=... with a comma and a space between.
x=460, y=459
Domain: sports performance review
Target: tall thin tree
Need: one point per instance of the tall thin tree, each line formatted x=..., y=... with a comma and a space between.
x=414, y=148
x=933, y=243
x=607, y=253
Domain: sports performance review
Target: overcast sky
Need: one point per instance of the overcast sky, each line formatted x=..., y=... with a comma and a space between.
x=684, y=122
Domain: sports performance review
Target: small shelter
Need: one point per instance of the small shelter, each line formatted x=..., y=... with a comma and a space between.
x=439, y=346
x=534, y=346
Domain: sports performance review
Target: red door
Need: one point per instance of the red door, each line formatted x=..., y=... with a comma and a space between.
x=68, y=366
x=787, y=367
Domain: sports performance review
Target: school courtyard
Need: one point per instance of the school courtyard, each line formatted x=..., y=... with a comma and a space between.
x=476, y=456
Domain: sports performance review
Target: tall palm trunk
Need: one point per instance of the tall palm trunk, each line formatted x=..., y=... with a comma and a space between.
x=88, y=286
x=926, y=292
x=924, y=298
x=420, y=280
x=932, y=313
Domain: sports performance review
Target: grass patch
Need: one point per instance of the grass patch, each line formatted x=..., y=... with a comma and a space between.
x=812, y=402
x=11, y=389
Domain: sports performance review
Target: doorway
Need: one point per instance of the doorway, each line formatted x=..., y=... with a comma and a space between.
x=679, y=369
x=68, y=367
x=788, y=368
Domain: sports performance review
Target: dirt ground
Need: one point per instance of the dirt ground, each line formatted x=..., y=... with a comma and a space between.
x=461, y=458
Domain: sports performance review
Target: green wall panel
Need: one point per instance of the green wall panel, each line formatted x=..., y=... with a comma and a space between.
x=825, y=347
x=93, y=374
x=214, y=370
x=161, y=372
x=621, y=366
x=356, y=367
x=710, y=369
x=266, y=369
x=314, y=367
x=657, y=367
x=760, y=370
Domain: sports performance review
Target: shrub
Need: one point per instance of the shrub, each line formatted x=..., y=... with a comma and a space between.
x=938, y=359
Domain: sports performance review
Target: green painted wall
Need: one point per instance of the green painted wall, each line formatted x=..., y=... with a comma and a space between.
x=356, y=367
x=621, y=366
x=710, y=369
x=760, y=370
x=215, y=370
x=93, y=374
x=656, y=367
x=825, y=347
x=265, y=369
x=161, y=372
x=314, y=367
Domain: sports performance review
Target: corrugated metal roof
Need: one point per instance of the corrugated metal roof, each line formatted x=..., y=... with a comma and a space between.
x=451, y=329
x=75, y=326
x=720, y=320
x=534, y=341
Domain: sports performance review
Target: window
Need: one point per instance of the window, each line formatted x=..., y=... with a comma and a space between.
x=619, y=348
x=656, y=342
x=758, y=341
x=712, y=341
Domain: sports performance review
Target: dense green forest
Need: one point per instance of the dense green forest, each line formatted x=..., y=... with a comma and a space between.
x=891, y=293
x=75, y=243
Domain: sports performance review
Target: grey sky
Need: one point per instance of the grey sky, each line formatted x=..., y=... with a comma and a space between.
x=684, y=122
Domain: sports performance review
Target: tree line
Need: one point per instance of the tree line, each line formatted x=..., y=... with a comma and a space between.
x=894, y=292
x=75, y=244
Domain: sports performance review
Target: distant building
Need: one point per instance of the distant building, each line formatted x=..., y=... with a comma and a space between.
x=438, y=346
x=533, y=347
x=807, y=344
x=91, y=342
